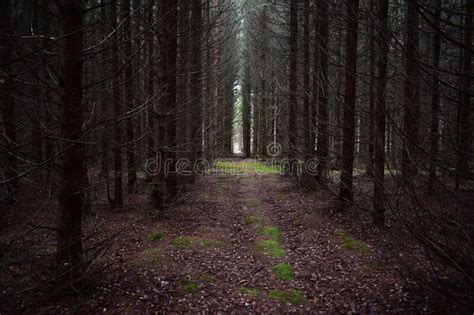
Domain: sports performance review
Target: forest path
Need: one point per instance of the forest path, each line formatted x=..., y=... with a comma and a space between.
x=245, y=242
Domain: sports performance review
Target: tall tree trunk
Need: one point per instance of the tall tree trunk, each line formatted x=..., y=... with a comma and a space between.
x=69, y=249
x=462, y=165
x=117, y=111
x=411, y=95
x=196, y=77
x=383, y=40
x=246, y=107
x=323, y=117
x=435, y=98
x=7, y=101
x=164, y=182
x=308, y=146
x=151, y=80
x=346, y=191
x=262, y=116
x=129, y=98
x=293, y=86
x=372, y=88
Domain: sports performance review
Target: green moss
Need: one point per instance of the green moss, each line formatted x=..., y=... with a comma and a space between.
x=270, y=232
x=204, y=230
x=183, y=242
x=293, y=296
x=296, y=296
x=188, y=286
x=249, y=292
x=208, y=279
x=277, y=294
x=253, y=202
x=211, y=243
x=255, y=219
x=155, y=236
x=350, y=243
x=270, y=247
x=283, y=271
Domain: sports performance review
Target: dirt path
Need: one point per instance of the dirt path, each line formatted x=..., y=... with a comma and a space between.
x=245, y=243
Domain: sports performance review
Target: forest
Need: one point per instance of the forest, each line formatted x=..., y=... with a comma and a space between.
x=236, y=156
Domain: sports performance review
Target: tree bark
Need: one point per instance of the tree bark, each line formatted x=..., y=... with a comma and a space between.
x=346, y=190
x=383, y=41
x=411, y=95
x=7, y=100
x=196, y=77
x=462, y=167
x=129, y=98
x=117, y=111
x=435, y=100
x=293, y=87
x=323, y=117
x=69, y=250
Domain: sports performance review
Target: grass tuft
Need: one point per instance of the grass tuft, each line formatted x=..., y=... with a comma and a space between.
x=296, y=296
x=155, y=236
x=350, y=243
x=211, y=243
x=270, y=232
x=208, y=279
x=255, y=219
x=249, y=292
x=270, y=247
x=253, y=202
x=183, y=242
x=293, y=296
x=277, y=294
x=188, y=286
x=283, y=271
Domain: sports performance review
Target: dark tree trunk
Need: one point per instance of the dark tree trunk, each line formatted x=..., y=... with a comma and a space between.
x=117, y=111
x=71, y=111
x=348, y=137
x=462, y=167
x=411, y=95
x=372, y=89
x=262, y=109
x=383, y=39
x=246, y=108
x=308, y=146
x=435, y=99
x=323, y=116
x=165, y=126
x=293, y=86
x=7, y=101
x=129, y=98
x=196, y=79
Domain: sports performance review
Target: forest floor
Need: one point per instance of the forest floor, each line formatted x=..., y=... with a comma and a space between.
x=246, y=243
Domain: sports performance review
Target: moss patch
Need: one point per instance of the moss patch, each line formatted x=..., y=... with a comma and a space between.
x=188, y=286
x=270, y=232
x=348, y=242
x=293, y=296
x=208, y=279
x=253, y=202
x=155, y=236
x=255, y=219
x=283, y=271
x=248, y=292
x=270, y=247
x=183, y=242
x=296, y=296
x=204, y=230
x=211, y=243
